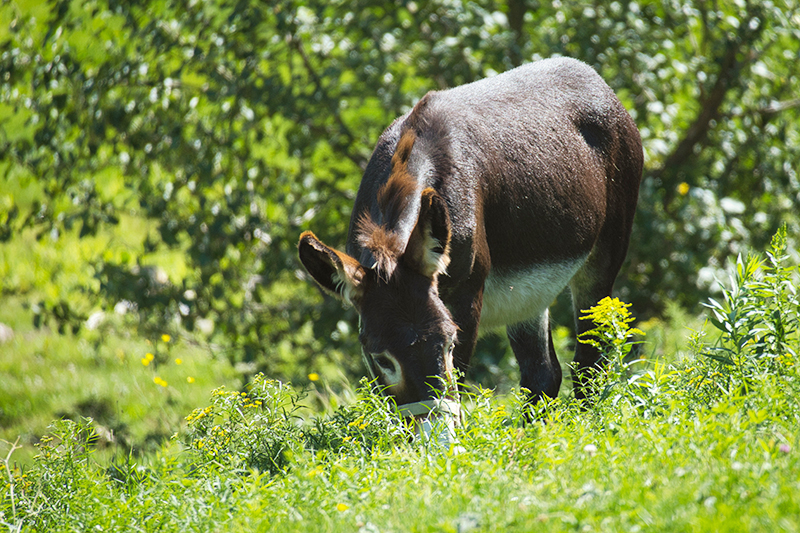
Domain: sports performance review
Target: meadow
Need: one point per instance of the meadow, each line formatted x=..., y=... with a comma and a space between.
x=166, y=364
x=695, y=435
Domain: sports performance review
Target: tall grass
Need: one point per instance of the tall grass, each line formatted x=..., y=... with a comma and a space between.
x=137, y=390
x=705, y=442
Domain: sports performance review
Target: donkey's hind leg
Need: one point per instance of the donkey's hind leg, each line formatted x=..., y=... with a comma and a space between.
x=593, y=282
x=532, y=342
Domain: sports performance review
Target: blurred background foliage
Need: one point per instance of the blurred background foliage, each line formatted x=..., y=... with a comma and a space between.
x=174, y=151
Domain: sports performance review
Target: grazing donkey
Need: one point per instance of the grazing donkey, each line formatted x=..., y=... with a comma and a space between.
x=476, y=209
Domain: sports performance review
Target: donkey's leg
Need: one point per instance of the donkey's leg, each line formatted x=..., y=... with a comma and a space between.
x=466, y=312
x=532, y=342
x=592, y=283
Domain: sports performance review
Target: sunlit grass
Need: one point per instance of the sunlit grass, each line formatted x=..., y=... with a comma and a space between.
x=706, y=439
x=250, y=466
x=99, y=374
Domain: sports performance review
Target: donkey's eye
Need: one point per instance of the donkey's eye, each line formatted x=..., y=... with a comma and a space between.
x=384, y=362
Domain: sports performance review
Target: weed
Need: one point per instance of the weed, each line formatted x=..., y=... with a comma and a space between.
x=614, y=337
x=757, y=322
x=256, y=429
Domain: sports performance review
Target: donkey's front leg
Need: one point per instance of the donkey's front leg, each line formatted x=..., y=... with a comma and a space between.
x=540, y=371
x=465, y=308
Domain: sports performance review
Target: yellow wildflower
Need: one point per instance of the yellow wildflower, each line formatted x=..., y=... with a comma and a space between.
x=342, y=507
x=158, y=381
x=313, y=376
x=178, y=361
x=683, y=189
x=165, y=337
x=190, y=379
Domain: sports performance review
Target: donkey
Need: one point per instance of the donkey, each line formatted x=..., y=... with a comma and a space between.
x=476, y=209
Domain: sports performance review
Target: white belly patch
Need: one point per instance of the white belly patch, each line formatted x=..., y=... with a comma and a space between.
x=510, y=298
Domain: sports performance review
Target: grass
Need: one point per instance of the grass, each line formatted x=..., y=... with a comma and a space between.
x=99, y=374
x=697, y=435
x=726, y=468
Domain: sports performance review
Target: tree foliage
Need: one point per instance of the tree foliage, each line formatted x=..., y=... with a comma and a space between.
x=233, y=125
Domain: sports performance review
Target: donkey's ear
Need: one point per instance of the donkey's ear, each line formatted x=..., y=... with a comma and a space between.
x=336, y=272
x=428, y=248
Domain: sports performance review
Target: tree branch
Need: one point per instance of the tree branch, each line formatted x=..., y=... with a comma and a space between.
x=709, y=110
x=516, y=19
x=710, y=103
x=769, y=110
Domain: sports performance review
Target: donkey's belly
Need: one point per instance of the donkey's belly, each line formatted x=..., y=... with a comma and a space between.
x=512, y=297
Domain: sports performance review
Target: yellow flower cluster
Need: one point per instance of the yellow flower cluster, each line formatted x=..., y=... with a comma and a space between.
x=219, y=432
x=218, y=436
x=198, y=414
x=358, y=422
x=148, y=358
x=253, y=403
x=158, y=381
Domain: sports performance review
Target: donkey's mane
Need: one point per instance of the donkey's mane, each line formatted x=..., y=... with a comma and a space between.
x=394, y=198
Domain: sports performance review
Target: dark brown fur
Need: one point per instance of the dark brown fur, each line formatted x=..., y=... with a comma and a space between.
x=385, y=244
x=532, y=173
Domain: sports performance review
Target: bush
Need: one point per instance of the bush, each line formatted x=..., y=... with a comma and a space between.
x=196, y=140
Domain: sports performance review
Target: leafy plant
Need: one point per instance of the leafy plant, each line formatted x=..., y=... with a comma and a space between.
x=64, y=471
x=260, y=429
x=256, y=429
x=757, y=319
x=613, y=336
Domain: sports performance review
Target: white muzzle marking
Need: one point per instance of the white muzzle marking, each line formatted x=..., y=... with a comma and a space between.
x=389, y=368
x=434, y=420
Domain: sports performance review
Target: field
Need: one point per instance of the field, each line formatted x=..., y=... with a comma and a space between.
x=693, y=435
x=166, y=364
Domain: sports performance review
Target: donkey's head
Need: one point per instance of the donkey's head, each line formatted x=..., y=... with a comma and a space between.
x=407, y=333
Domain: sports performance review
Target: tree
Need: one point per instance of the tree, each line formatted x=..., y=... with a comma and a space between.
x=231, y=126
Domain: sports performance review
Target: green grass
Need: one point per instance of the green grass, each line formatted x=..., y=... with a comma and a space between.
x=726, y=468
x=99, y=374
x=695, y=432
